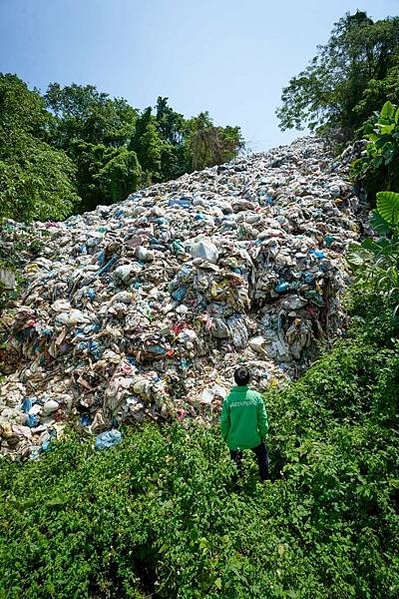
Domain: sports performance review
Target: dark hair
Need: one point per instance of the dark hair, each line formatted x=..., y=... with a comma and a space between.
x=241, y=376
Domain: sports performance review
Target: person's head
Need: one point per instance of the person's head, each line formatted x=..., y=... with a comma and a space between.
x=242, y=376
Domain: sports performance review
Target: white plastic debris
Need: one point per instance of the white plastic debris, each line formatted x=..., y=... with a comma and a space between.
x=50, y=406
x=205, y=249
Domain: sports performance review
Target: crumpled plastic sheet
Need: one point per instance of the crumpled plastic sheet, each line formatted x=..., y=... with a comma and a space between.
x=108, y=439
x=142, y=310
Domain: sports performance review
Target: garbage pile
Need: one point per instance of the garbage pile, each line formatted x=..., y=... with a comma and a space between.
x=144, y=309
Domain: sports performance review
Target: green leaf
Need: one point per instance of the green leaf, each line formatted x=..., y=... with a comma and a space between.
x=357, y=255
x=387, y=111
x=388, y=206
x=387, y=129
x=57, y=501
x=382, y=141
x=372, y=246
x=218, y=583
x=379, y=224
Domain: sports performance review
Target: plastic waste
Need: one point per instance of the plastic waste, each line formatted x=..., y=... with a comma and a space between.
x=318, y=254
x=7, y=279
x=86, y=420
x=282, y=287
x=32, y=420
x=50, y=406
x=27, y=405
x=205, y=249
x=179, y=294
x=142, y=308
x=108, y=439
x=180, y=202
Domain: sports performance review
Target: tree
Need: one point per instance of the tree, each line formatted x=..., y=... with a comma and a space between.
x=95, y=130
x=209, y=145
x=172, y=128
x=106, y=174
x=36, y=180
x=170, y=124
x=84, y=113
x=377, y=168
x=349, y=77
x=76, y=147
x=147, y=143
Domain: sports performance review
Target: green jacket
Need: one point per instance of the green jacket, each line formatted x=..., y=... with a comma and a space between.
x=244, y=420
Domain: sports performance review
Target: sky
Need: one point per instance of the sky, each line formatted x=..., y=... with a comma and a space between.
x=230, y=57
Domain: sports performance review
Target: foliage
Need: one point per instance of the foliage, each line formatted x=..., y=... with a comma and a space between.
x=147, y=143
x=36, y=180
x=388, y=208
x=158, y=514
x=94, y=130
x=18, y=245
x=76, y=147
x=210, y=145
x=376, y=261
x=378, y=169
x=348, y=79
x=172, y=128
x=105, y=174
x=84, y=113
x=120, y=173
x=142, y=147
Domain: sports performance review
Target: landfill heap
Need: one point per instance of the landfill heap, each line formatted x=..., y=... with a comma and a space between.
x=143, y=309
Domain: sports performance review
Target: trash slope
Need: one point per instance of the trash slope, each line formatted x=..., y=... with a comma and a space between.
x=143, y=309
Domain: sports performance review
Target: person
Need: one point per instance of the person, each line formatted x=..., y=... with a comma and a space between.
x=244, y=423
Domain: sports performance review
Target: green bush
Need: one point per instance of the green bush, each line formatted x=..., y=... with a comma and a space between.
x=378, y=168
x=37, y=181
x=158, y=514
x=375, y=261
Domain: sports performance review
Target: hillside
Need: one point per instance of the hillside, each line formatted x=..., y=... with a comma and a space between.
x=97, y=340
x=146, y=253
x=144, y=308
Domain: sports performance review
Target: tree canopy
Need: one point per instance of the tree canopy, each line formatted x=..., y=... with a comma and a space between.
x=37, y=180
x=211, y=145
x=350, y=77
x=76, y=147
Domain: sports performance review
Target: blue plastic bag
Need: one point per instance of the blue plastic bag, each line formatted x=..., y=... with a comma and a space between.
x=27, y=404
x=179, y=294
x=91, y=294
x=318, y=254
x=86, y=420
x=180, y=202
x=108, y=439
x=32, y=420
x=281, y=287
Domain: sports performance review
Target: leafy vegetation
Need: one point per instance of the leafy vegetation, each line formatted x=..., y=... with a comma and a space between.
x=17, y=247
x=75, y=148
x=376, y=261
x=378, y=169
x=351, y=76
x=159, y=515
x=209, y=145
x=37, y=181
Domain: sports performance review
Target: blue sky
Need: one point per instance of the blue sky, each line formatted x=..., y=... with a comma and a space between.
x=231, y=57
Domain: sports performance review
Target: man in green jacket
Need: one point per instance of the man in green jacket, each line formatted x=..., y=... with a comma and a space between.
x=244, y=422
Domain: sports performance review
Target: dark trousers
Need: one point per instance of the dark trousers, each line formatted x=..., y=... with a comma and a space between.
x=261, y=455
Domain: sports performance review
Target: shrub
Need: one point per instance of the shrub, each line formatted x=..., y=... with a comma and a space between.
x=158, y=514
x=377, y=169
